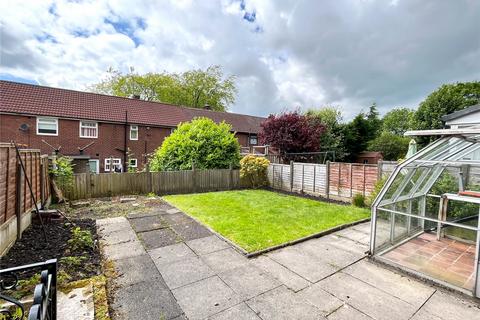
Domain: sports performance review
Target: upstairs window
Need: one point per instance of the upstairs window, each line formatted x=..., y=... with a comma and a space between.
x=88, y=129
x=253, y=139
x=47, y=126
x=133, y=132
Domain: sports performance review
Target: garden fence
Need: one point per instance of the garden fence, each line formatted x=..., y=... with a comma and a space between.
x=16, y=202
x=87, y=185
x=340, y=181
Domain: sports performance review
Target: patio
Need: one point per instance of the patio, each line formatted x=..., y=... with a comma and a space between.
x=196, y=275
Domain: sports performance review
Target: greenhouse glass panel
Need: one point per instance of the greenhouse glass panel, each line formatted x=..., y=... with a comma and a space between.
x=426, y=218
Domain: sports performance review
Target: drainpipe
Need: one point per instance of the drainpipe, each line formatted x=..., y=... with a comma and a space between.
x=125, y=147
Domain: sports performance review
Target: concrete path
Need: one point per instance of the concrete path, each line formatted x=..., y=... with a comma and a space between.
x=173, y=268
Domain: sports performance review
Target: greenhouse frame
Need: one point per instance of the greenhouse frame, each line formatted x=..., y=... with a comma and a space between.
x=425, y=220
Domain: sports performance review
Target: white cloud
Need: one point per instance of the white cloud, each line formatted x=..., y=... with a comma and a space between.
x=291, y=53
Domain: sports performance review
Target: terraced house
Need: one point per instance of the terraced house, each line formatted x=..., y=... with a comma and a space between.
x=101, y=132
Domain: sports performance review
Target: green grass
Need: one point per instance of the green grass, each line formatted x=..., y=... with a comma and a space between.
x=259, y=219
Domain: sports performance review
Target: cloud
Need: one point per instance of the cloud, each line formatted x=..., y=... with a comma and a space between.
x=285, y=54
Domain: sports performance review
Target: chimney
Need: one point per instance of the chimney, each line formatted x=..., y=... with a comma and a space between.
x=207, y=107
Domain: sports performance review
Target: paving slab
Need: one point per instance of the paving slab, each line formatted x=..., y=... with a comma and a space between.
x=153, y=213
x=366, y=298
x=398, y=285
x=183, y=272
x=288, y=278
x=205, y=298
x=77, y=304
x=324, y=301
x=424, y=315
x=178, y=218
x=347, y=312
x=249, y=281
x=158, y=238
x=148, y=223
x=362, y=227
x=171, y=253
x=307, y=266
x=191, y=231
x=224, y=260
x=147, y=301
x=206, y=245
x=344, y=244
x=123, y=250
x=136, y=269
x=281, y=303
x=116, y=237
x=108, y=225
x=450, y=307
x=172, y=210
x=355, y=235
x=239, y=312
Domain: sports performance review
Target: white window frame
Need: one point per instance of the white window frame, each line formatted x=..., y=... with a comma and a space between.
x=250, y=139
x=39, y=119
x=107, y=167
x=134, y=130
x=98, y=164
x=96, y=129
x=130, y=164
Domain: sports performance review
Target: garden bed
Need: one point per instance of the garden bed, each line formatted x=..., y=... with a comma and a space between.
x=259, y=219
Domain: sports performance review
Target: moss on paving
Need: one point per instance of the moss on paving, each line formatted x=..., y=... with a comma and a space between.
x=259, y=219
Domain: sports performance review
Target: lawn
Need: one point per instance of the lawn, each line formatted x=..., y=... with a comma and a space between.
x=259, y=219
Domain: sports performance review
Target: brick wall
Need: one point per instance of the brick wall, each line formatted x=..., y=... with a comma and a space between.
x=109, y=144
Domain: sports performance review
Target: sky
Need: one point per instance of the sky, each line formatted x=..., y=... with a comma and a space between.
x=285, y=54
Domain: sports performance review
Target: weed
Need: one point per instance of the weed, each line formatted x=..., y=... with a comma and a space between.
x=81, y=239
x=359, y=200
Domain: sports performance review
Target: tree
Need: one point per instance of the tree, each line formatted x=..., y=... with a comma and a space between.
x=292, y=132
x=446, y=99
x=392, y=146
x=194, y=88
x=202, y=143
x=356, y=135
x=374, y=122
x=398, y=121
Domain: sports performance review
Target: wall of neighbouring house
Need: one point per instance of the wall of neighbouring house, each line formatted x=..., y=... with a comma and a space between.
x=16, y=201
x=109, y=144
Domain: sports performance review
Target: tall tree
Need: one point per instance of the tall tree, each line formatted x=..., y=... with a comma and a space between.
x=398, y=121
x=392, y=146
x=194, y=88
x=374, y=122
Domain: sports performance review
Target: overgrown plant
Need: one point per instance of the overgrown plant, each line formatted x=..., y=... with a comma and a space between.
x=376, y=190
x=62, y=172
x=359, y=200
x=254, y=169
x=81, y=239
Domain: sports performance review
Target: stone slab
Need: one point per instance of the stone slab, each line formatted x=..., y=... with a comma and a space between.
x=153, y=213
x=306, y=265
x=424, y=315
x=136, y=269
x=288, y=278
x=147, y=301
x=400, y=286
x=281, y=303
x=158, y=238
x=239, y=312
x=191, y=231
x=178, y=218
x=171, y=253
x=347, y=312
x=172, y=210
x=223, y=260
x=324, y=301
x=447, y=306
x=205, y=298
x=207, y=245
x=249, y=281
x=105, y=226
x=124, y=250
x=148, y=223
x=116, y=237
x=355, y=235
x=76, y=304
x=366, y=298
x=183, y=272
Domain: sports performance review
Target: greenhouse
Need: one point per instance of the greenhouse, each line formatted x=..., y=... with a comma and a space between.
x=425, y=219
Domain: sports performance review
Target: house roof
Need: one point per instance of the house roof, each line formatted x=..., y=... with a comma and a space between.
x=30, y=99
x=461, y=113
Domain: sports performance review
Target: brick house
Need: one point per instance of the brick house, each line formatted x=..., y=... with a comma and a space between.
x=97, y=129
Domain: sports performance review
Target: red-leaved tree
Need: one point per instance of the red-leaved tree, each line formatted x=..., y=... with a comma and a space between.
x=292, y=132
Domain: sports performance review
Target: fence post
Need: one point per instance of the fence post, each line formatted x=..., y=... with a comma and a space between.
x=42, y=182
x=351, y=180
x=230, y=178
x=303, y=176
x=364, y=179
x=291, y=175
x=379, y=169
x=20, y=194
x=314, y=176
x=327, y=179
x=194, y=178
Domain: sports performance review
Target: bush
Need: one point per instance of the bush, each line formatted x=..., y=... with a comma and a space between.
x=359, y=200
x=254, y=169
x=201, y=142
x=62, y=172
x=376, y=190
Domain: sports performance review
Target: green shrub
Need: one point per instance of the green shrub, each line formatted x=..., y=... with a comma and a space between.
x=376, y=190
x=359, y=200
x=201, y=142
x=254, y=169
x=62, y=172
x=81, y=239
